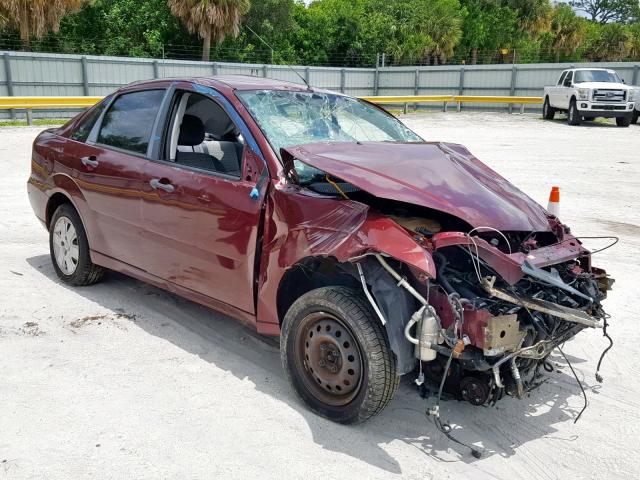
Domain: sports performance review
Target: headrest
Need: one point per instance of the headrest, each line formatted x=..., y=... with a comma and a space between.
x=191, y=131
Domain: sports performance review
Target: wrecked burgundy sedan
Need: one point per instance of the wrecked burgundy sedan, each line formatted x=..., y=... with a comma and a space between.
x=323, y=219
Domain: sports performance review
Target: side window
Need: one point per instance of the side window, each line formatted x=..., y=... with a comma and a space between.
x=129, y=120
x=86, y=124
x=568, y=79
x=203, y=136
x=564, y=74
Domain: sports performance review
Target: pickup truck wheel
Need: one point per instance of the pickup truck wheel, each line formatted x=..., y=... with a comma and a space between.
x=70, y=249
x=573, y=116
x=336, y=355
x=623, y=121
x=548, y=112
x=634, y=120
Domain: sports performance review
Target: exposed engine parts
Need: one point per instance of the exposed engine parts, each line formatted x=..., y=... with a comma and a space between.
x=498, y=307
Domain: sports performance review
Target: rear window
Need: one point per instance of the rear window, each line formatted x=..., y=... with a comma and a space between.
x=81, y=133
x=129, y=120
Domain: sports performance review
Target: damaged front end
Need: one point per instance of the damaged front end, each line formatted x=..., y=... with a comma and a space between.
x=509, y=302
x=507, y=282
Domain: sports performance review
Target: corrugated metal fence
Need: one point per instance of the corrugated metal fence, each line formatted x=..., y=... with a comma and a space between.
x=29, y=74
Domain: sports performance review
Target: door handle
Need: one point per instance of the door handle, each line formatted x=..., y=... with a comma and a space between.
x=156, y=183
x=90, y=161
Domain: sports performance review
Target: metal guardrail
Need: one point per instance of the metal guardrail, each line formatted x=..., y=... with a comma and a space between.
x=457, y=99
x=32, y=103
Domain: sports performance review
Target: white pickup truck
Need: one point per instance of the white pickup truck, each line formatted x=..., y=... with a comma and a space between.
x=588, y=93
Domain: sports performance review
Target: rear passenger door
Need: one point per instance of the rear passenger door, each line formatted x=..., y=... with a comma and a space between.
x=199, y=215
x=107, y=162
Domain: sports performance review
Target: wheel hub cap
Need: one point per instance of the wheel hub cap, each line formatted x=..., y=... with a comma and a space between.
x=65, y=246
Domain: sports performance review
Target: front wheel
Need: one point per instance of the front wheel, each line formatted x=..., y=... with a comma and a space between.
x=573, y=116
x=336, y=355
x=634, y=120
x=623, y=121
x=548, y=112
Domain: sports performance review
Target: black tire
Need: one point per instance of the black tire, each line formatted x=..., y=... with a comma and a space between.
x=624, y=121
x=634, y=120
x=368, y=361
x=85, y=272
x=573, y=115
x=548, y=112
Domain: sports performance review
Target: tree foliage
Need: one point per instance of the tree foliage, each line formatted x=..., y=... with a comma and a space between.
x=607, y=11
x=332, y=32
x=35, y=18
x=210, y=19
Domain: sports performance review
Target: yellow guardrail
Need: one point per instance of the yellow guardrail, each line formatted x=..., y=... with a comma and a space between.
x=399, y=99
x=47, y=102
x=31, y=103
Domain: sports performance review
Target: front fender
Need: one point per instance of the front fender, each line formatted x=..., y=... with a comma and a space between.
x=299, y=225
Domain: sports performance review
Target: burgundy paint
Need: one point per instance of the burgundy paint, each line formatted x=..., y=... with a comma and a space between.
x=426, y=174
x=200, y=242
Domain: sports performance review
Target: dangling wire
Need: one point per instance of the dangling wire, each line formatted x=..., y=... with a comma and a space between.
x=446, y=428
x=604, y=332
x=336, y=186
x=584, y=394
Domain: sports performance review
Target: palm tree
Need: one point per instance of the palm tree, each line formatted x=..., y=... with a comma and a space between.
x=210, y=19
x=35, y=18
x=567, y=29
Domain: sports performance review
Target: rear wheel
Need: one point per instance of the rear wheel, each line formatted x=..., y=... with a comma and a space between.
x=336, y=355
x=70, y=249
x=548, y=112
x=573, y=115
x=623, y=121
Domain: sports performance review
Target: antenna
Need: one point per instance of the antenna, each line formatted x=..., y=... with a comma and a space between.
x=286, y=64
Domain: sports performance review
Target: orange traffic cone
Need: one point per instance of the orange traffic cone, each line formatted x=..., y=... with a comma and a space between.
x=554, y=202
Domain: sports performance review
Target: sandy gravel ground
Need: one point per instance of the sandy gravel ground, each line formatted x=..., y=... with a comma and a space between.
x=121, y=380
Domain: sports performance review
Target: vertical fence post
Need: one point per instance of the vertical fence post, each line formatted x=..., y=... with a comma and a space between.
x=307, y=74
x=512, y=88
x=214, y=69
x=461, y=87
x=29, y=117
x=636, y=73
x=343, y=80
x=265, y=71
x=376, y=81
x=7, y=75
x=156, y=69
x=85, y=76
x=416, y=87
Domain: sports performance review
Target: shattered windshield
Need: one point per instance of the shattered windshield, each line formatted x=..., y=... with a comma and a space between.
x=582, y=76
x=294, y=118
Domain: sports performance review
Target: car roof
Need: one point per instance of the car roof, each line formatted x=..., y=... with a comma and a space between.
x=235, y=82
x=588, y=68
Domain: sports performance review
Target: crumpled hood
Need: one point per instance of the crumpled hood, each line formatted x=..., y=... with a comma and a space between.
x=440, y=176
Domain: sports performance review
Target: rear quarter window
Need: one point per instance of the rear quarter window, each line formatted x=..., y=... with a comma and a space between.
x=129, y=120
x=82, y=130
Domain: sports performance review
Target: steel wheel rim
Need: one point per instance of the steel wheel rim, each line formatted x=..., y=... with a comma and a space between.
x=66, y=250
x=329, y=359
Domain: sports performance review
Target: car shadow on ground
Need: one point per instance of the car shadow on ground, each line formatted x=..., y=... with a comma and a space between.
x=498, y=430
